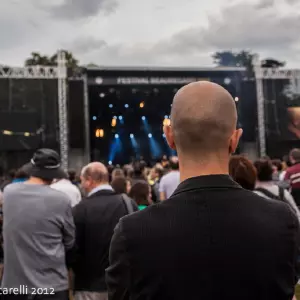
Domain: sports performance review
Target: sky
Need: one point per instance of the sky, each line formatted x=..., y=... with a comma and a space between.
x=149, y=32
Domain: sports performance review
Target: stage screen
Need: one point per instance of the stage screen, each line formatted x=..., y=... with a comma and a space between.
x=127, y=116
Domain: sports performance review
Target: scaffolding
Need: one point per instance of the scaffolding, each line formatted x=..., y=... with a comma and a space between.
x=58, y=72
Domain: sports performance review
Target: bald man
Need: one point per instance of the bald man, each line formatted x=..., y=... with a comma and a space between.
x=95, y=219
x=212, y=239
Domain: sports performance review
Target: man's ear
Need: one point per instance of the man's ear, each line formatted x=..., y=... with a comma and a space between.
x=168, y=131
x=234, y=140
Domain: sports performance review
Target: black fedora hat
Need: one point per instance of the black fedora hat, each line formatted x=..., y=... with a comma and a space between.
x=46, y=164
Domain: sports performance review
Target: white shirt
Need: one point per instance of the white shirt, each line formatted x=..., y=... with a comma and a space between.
x=67, y=187
x=274, y=189
x=169, y=183
x=101, y=187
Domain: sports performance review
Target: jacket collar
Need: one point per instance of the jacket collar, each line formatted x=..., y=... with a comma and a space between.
x=206, y=183
x=102, y=193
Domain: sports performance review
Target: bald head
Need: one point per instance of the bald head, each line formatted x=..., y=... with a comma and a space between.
x=96, y=172
x=203, y=118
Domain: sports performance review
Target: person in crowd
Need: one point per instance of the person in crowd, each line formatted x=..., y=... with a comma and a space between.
x=72, y=175
x=293, y=175
x=118, y=172
x=95, y=219
x=243, y=172
x=170, y=181
x=285, y=165
x=141, y=193
x=65, y=186
x=155, y=178
x=128, y=171
x=22, y=174
x=165, y=162
x=266, y=187
x=216, y=240
x=138, y=172
x=277, y=169
x=8, y=179
x=121, y=185
x=38, y=230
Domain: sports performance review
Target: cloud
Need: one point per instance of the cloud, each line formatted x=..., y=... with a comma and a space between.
x=267, y=31
x=263, y=4
x=263, y=30
x=85, y=44
x=80, y=9
x=292, y=2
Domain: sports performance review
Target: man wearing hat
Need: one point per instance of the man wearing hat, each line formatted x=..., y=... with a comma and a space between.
x=38, y=229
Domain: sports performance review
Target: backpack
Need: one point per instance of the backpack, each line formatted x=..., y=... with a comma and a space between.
x=271, y=195
x=130, y=207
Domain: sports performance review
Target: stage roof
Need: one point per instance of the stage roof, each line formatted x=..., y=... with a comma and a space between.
x=167, y=69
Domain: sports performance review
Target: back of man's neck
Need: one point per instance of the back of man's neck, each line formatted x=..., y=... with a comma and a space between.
x=35, y=180
x=202, y=169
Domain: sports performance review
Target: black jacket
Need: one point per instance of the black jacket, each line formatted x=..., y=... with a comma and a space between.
x=95, y=218
x=211, y=240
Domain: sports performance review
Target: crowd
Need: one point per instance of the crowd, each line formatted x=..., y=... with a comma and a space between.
x=204, y=225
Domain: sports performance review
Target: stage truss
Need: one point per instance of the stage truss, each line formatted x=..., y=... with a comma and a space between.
x=260, y=75
x=58, y=72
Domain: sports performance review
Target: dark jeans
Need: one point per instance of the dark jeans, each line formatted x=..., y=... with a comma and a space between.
x=63, y=295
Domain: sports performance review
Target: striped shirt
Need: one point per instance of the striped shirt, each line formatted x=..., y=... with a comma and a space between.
x=293, y=175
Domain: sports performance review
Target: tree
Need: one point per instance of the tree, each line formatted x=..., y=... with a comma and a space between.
x=233, y=59
x=72, y=62
x=37, y=59
x=243, y=59
x=225, y=59
x=272, y=63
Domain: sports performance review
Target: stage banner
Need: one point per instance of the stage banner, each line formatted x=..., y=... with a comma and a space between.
x=144, y=80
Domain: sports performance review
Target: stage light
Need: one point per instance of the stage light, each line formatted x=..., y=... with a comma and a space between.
x=26, y=134
x=142, y=104
x=7, y=132
x=227, y=81
x=114, y=122
x=120, y=118
x=115, y=117
x=111, y=106
x=149, y=135
x=110, y=162
x=116, y=136
x=94, y=118
x=111, y=90
x=166, y=122
x=102, y=95
x=166, y=117
x=126, y=105
x=164, y=136
x=143, y=118
x=131, y=136
x=236, y=99
x=99, y=133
